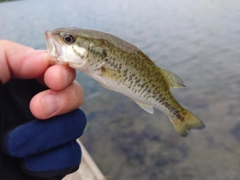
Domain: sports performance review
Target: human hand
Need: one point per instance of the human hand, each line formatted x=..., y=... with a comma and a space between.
x=48, y=148
x=17, y=61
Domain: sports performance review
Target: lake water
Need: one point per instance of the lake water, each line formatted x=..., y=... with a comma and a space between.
x=197, y=40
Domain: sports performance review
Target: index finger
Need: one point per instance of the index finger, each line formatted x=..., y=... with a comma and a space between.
x=18, y=61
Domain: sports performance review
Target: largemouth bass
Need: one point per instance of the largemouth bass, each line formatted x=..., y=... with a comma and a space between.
x=122, y=67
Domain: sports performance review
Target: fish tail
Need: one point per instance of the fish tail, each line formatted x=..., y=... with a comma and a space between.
x=184, y=120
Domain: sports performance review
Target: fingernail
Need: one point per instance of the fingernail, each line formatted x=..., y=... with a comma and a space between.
x=50, y=104
x=65, y=77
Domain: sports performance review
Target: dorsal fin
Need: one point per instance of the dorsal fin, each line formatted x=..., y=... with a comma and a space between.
x=174, y=80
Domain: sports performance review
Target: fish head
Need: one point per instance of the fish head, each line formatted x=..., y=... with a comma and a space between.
x=66, y=46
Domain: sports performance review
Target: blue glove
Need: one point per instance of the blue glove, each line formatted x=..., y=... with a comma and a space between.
x=48, y=148
x=31, y=148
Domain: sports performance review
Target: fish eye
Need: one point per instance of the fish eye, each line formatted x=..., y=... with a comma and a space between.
x=69, y=39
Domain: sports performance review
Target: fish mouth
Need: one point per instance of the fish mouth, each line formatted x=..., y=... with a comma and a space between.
x=53, y=46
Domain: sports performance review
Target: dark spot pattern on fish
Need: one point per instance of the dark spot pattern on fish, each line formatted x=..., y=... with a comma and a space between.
x=104, y=53
x=125, y=71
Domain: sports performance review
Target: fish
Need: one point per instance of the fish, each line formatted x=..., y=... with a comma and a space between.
x=121, y=67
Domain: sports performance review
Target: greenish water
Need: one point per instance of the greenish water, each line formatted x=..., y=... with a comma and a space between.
x=4, y=0
x=197, y=40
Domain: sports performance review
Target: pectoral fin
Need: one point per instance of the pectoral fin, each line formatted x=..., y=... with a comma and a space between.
x=100, y=66
x=109, y=74
x=174, y=81
x=146, y=107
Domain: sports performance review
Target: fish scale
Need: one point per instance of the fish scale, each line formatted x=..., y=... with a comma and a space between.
x=122, y=67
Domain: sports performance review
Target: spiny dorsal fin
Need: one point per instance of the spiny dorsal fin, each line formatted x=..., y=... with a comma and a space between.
x=146, y=107
x=174, y=80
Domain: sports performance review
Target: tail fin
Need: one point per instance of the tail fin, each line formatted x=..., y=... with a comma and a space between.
x=184, y=121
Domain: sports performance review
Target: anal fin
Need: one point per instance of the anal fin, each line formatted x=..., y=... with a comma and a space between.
x=146, y=107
